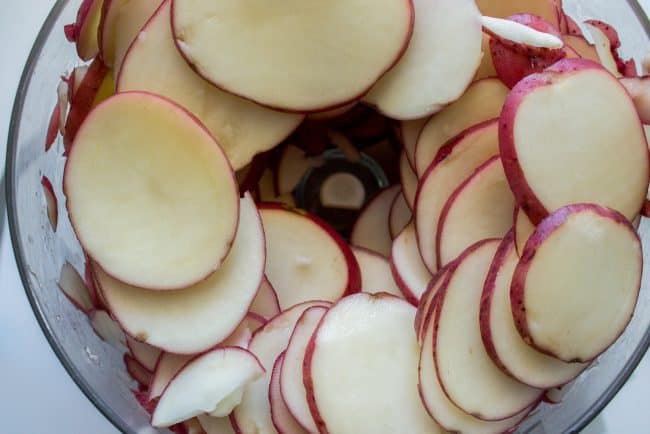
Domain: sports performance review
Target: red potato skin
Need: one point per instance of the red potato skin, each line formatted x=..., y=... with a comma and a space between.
x=335, y=106
x=193, y=118
x=626, y=67
x=429, y=299
x=543, y=231
x=91, y=284
x=81, y=101
x=354, y=271
x=524, y=195
x=278, y=423
x=401, y=284
x=72, y=30
x=306, y=366
x=513, y=62
x=507, y=244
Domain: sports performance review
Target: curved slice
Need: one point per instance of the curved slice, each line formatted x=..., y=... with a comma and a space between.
x=467, y=374
x=410, y=273
x=120, y=23
x=410, y=131
x=583, y=261
x=376, y=274
x=198, y=317
x=266, y=303
x=524, y=228
x=503, y=342
x=456, y=162
x=51, y=203
x=167, y=367
x=376, y=391
x=428, y=300
x=408, y=180
x=480, y=208
x=604, y=48
x=299, y=74
x=254, y=412
x=580, y=45
x=137, y=371
x=523, y=36
x=435, y=69
x=75, y=289
x=445, y=412
x=482, y=101
x=371, y=230
x=282, y=418
x=126, y=206
x=307, y=259
x=84, y=30
x=215, y=425
x=400, y=215
x=597, y=154
x=204, y=383
x=291, y=378
x=546, y=9
x=241, y=127
x=145, y=354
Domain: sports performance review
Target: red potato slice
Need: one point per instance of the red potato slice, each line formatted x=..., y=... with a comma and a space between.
x=54, y=126
x=293, y=165
x=467, y=374
x=106, y=171
x=342, y=190
x=524, y=228
x=583, y=261
x=331, y=114
x=215, y=425
x=254, y=412
x=486, y=68
x=410, y=131
x=307, y=259
x=428, y=300
x=137, y=371
x=242, y=128
x=434, y=70
x=193, y=426
x=376, y=274
x=51, y=203
x=503, y=342
x=603, y=48
x=522, y=35
x=283, y=420
x=243, y=334
x=355, y=333
x=82, y=99
x=555, y=395
x=371, y=230
x=107, y=328
x=445, y=412
x=120, y=23
x=291, y=376
x=83, y=32
x=167, y=367
x=482, y=101
x=410, y=273
x=626, y=68
x=204, y=383
x=584, y=49
x=480, y=208
x=266, y=302
x=547, y=9
x=201, y=316
x=400, y=215
x=639, y=90
x=457, y=161
x=610, y=168
x=89, y=280
x=74, y=288
x=300, y=74
x=408, y=180
x=145, y=354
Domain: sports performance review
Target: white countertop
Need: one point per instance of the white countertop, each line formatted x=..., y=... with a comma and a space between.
x=38, y=396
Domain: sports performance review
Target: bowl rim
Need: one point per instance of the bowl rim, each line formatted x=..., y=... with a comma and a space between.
x=14, y=229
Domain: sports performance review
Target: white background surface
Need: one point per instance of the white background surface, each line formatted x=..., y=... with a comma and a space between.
x=36, y=394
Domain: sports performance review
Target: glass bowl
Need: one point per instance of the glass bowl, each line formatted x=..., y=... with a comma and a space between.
x=97, y=367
